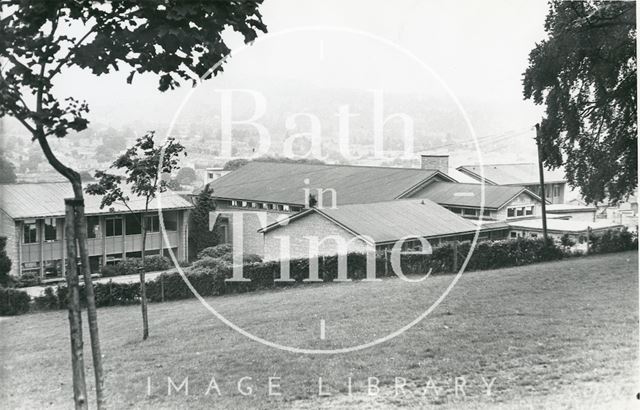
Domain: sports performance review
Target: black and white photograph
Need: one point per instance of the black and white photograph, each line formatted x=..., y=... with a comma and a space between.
x=319, y=204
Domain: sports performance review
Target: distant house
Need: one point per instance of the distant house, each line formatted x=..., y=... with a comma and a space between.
x=573, y=212
x=526, y=175
x=500, y=202
x=32, y=217
x=357, y=227
x=556, y=228
x=279, y=190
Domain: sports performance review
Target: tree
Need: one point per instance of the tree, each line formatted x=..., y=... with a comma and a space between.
x=186, y=176
x=235, y=164
x=174, y=40
x=7, y=171
x=200, y=236
x=143, y=165
x=585, y=75
x=5, y=262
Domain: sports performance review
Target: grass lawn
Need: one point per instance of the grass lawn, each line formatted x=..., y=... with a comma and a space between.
x=561, y=334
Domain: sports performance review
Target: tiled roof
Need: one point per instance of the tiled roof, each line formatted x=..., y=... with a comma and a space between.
x=47, y=200
x=285, y=182
x=392, y=220
x=469, y=195
x=513, y=174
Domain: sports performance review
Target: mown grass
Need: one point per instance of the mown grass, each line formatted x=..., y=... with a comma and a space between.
x=562, y=333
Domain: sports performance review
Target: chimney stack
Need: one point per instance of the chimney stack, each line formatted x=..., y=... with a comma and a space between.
x=435, y=162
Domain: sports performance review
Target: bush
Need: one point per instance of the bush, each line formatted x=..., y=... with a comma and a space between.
x=28, y=279
x=109, y=270
x=217, y=251
x=157, y=262
x=13, y=302
x=613, y=241
x=48, y=301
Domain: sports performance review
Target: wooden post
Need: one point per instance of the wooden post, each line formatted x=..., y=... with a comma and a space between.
x=386, y=262
x=75, y=317
x=162, y=287
x=40, y=233
x=455, y=256
x=80, y=226
x=542, y=188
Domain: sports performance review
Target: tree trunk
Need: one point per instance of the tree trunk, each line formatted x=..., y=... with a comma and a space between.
x=81, y=235
x=143, y=286
x=75, y=317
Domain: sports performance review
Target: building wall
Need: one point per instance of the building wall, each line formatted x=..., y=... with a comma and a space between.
x=252, y=241
x=309, y=225
x=9, y=229
x=101, y=246
x=553, y=192
x=575, y=216
x=520, y=201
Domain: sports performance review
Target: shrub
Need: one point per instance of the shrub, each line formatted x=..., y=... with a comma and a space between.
x=156, y=263
x=28, y=279
x=566, y=241
x=613, y=241
x=109, y=270
x=13, y=302
x=47, y=301
x=217, y=251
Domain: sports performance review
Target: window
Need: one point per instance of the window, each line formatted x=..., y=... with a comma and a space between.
x=254, y=204
x=131, y=225
x=534, y=235
x=486, y=213
x=456, y=210
x=93, y=227
x=529, y=210
x=520, y=211
x=513, y=235
x=210, y=175
x=30, y=233
x=469, y=212
x=244, y=204
x=547, y=191
x=170, y=221
x=234, y=203
x=152, y=223
x=280, y=208
x=286, y=208
x=113, y=226
x=50, y=231
x=556, y=190
x=511, y=212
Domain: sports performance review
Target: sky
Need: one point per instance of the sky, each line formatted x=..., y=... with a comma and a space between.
x=469, y=50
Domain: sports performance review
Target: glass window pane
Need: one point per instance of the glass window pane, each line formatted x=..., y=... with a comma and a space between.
x=93, y=227
x=132, y=226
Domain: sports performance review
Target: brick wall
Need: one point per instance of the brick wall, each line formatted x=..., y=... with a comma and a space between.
x=309, y=225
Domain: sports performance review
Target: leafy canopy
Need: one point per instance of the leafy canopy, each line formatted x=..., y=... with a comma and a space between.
x=140, y=168
x=174, y=39
x=585, y=75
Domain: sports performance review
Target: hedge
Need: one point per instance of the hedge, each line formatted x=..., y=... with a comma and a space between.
x=208, y=275
x=13, y=301
x=131, y=266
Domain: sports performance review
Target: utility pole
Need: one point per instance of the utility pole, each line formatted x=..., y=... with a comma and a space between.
x=542, y=190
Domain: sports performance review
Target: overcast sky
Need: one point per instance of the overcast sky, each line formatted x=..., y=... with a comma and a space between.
x=478, y=49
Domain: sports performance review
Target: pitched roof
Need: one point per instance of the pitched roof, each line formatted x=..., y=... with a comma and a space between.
x=469, y=195
x=286, y=182
x=392, y=220
x=512, y=174
x=47, y=200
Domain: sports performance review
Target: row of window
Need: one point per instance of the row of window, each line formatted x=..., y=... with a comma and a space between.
x=113, y=227
x=470, y=212
x=266, y=205
x=515, y=211
x=555, y=189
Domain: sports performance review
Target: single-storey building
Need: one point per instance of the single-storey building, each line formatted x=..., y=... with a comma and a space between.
x=523, y=174
x=358, y=227
x=572, y=212
x=260, y=193
x=32, y=218
x=501, y=203
x=557, y=228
